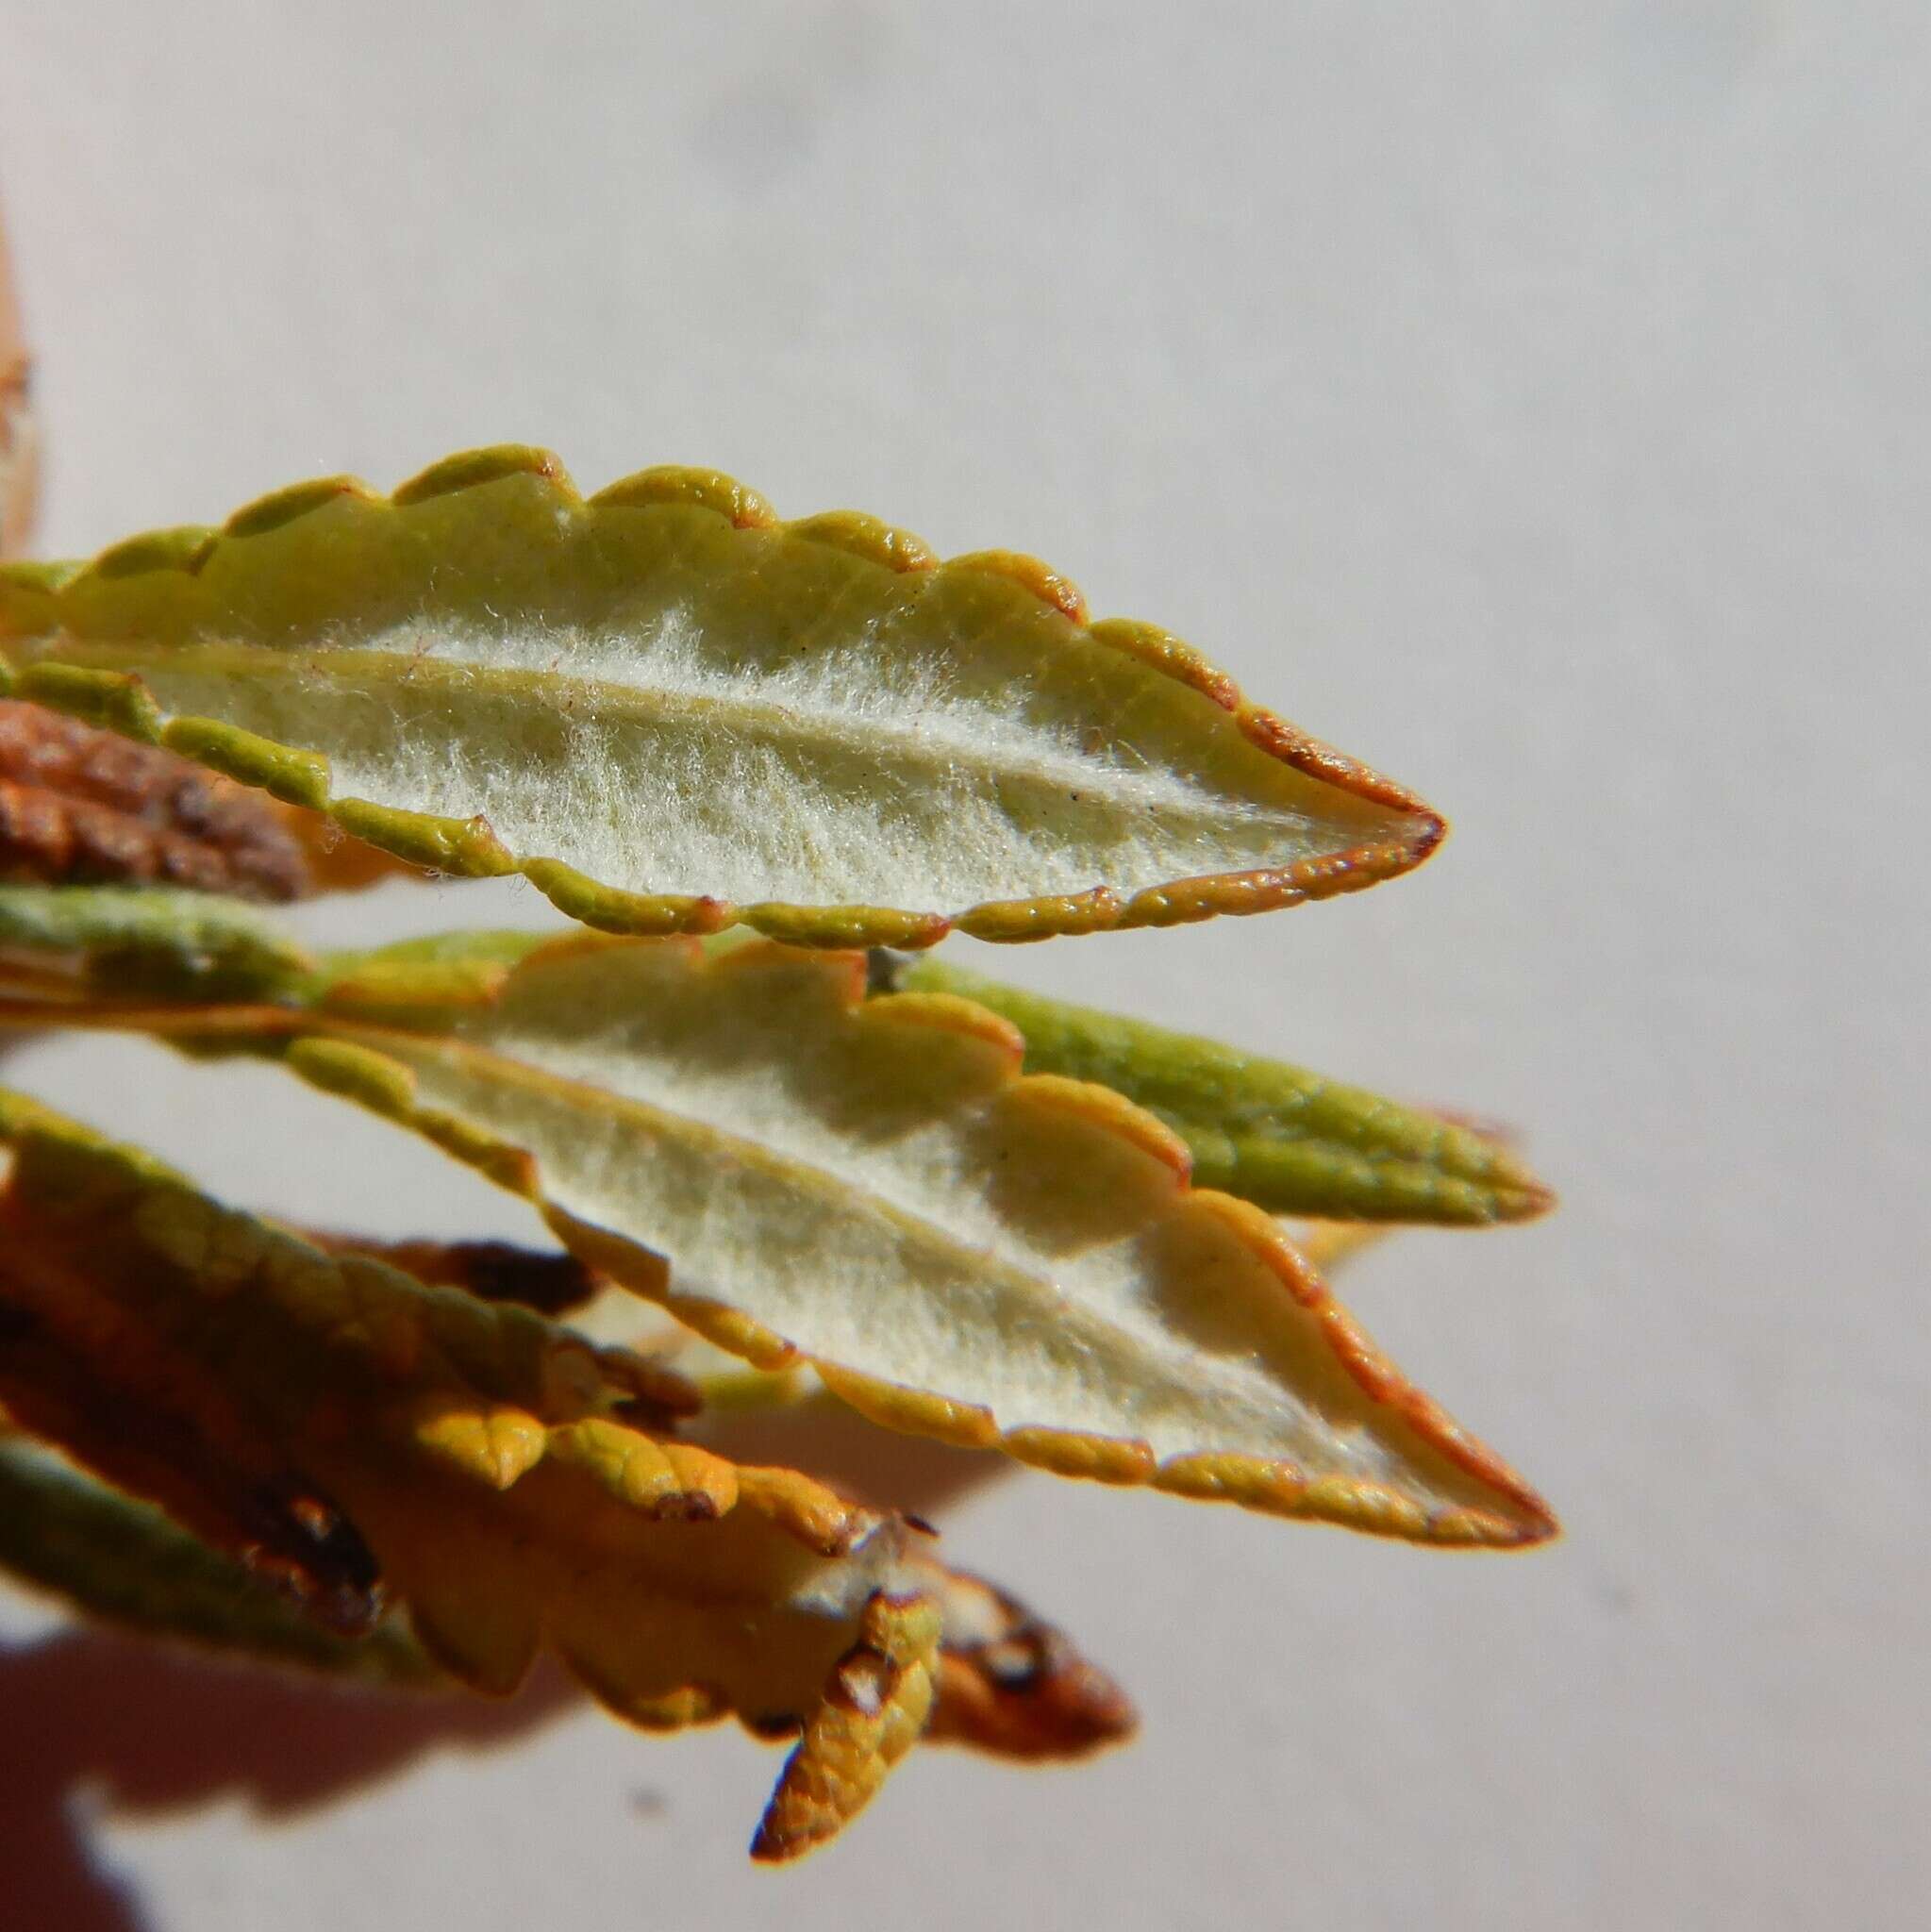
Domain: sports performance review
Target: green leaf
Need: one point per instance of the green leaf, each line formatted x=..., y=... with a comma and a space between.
x=122, y=1560
x=148, y=939
x=1288, y=1140
x=672, y=712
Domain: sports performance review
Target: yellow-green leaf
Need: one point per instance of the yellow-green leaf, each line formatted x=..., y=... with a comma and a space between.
x=871, y=1186
x=490, y=1460
x=876, y=1702
x=122, y=1560
x=672, y=711
x=1007, y=1683
x=146, y=940
x=1288, y=1140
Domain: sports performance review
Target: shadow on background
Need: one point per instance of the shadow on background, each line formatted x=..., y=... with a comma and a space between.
x=144, y=1729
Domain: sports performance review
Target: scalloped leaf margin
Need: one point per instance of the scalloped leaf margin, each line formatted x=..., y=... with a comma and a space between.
x=872, y=1186
x=674, y=712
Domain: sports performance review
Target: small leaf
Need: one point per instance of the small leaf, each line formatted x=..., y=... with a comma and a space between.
x=1289, y=1140
x=871, y=1186
x=144, y=939
x=1012, y=1684
x=876, y=1704
x=82, y=806
x=672, y=712
x=482, y=1454
x=118, y=1559
x=1007, y=1682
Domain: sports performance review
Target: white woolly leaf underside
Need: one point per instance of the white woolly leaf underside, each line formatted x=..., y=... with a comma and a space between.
x=674, y=705
x=875, y=1186
x=861, y=770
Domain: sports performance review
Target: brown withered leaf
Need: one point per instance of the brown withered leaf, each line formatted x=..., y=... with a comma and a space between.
x=1009, y=1682
x=130, y=1400
x=78, y=805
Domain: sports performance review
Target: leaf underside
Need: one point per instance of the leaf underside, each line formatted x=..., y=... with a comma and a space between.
x=674, y=712
x=871, y=1185
x=1291, y=1141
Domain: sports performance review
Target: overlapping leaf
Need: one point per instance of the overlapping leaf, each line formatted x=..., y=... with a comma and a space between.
x=156, y=939
x=872, y=1186
x=672, y=711
x=1288, y=1140
x=123, y=1560
x=79, y=806
x=489, y=1461
x=1007, y=1682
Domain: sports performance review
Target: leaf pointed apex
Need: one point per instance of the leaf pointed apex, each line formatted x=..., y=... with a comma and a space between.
x=495, y=1445
x=872, y=1186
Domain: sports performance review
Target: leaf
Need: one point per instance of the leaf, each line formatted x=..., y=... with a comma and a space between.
x=672, y=711
x=121, y=1389
x=151, y=940
x=873, y=1187
x=1289, y=1140
x=487, y=1457
x=550, y=1283
x=1004, y=1682
x=960, y=1661
x=81, y=807
x=1012, y=1684
x=876, y=1704
x=121, y=1559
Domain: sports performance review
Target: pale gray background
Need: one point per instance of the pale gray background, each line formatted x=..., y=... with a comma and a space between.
x=1532, y=399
